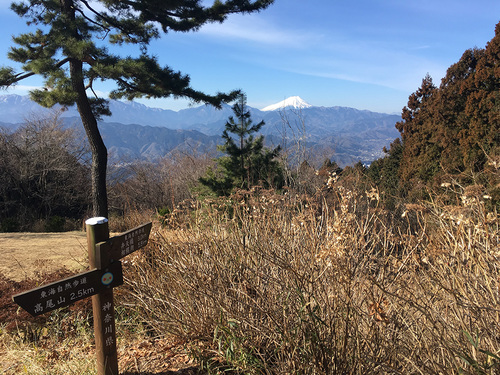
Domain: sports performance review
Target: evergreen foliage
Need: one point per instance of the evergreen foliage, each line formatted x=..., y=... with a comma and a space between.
x=68, y=48
x=247, y=162
x=451, y=132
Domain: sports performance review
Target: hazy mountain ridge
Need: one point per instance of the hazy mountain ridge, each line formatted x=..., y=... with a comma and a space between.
x=138, y=141
x=134, y=130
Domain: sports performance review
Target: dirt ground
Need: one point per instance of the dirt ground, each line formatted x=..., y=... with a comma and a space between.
x=24, y=254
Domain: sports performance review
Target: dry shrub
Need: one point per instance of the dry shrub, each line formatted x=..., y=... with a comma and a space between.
x=131, y=219
x=290, y=284
x=450, y=297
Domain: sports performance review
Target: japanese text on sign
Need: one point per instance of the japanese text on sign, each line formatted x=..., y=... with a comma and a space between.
x=126, y=243
x=65, y=292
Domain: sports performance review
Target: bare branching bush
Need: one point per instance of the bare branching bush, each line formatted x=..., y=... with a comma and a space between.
x=451, y=293
x=162, y=185
x=328, y=284
x=44, y=174
x=297, y=155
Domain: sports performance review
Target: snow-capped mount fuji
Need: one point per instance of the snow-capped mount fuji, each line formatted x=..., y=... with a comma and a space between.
x=292, y=102
x=343, y=134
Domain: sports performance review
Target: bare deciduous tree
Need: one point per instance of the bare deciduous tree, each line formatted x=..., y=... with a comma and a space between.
x=43, y=171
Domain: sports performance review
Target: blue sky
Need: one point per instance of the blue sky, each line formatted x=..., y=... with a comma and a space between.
x=366, y=54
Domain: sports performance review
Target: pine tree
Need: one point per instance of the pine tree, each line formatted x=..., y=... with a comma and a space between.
x=247, y=162
x=418, y=160
x=64, y=48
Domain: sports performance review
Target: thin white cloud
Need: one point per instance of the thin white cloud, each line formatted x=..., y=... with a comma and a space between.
x=328, y=53
x=339, y=56
x=388, y=68
x=259, y=31
x=20, y=89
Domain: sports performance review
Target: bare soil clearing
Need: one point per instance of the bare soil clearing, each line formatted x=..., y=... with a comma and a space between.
x=23, y=255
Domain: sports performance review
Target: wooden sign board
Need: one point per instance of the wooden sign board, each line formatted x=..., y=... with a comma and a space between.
x=126, y=243
x=98, y=283
x=67, y=291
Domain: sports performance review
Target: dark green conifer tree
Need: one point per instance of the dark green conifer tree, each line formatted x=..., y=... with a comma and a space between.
x=417, y=134
x=384, y=172
x=68, y=48
x=450, y=132
x=247, y=162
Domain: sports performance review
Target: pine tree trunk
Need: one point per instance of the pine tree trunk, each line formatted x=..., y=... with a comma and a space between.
x=99, y=151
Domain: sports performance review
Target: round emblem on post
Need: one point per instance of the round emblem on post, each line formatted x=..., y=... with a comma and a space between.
x=107, y=278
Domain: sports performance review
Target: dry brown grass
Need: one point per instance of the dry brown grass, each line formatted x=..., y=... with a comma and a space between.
x=290, y=284
x=265, y=283
x=58, y=357
x=26, y=254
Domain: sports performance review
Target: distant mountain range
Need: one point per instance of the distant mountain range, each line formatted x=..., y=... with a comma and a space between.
x=343, y=134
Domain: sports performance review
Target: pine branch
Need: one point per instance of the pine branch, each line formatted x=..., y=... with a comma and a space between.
x=8, y=78
x=82, y=13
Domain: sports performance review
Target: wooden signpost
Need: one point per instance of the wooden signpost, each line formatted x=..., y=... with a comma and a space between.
x=105, y=274
x=67, y=291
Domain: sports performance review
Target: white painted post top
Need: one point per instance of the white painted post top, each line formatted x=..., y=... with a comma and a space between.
x=96, y=221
